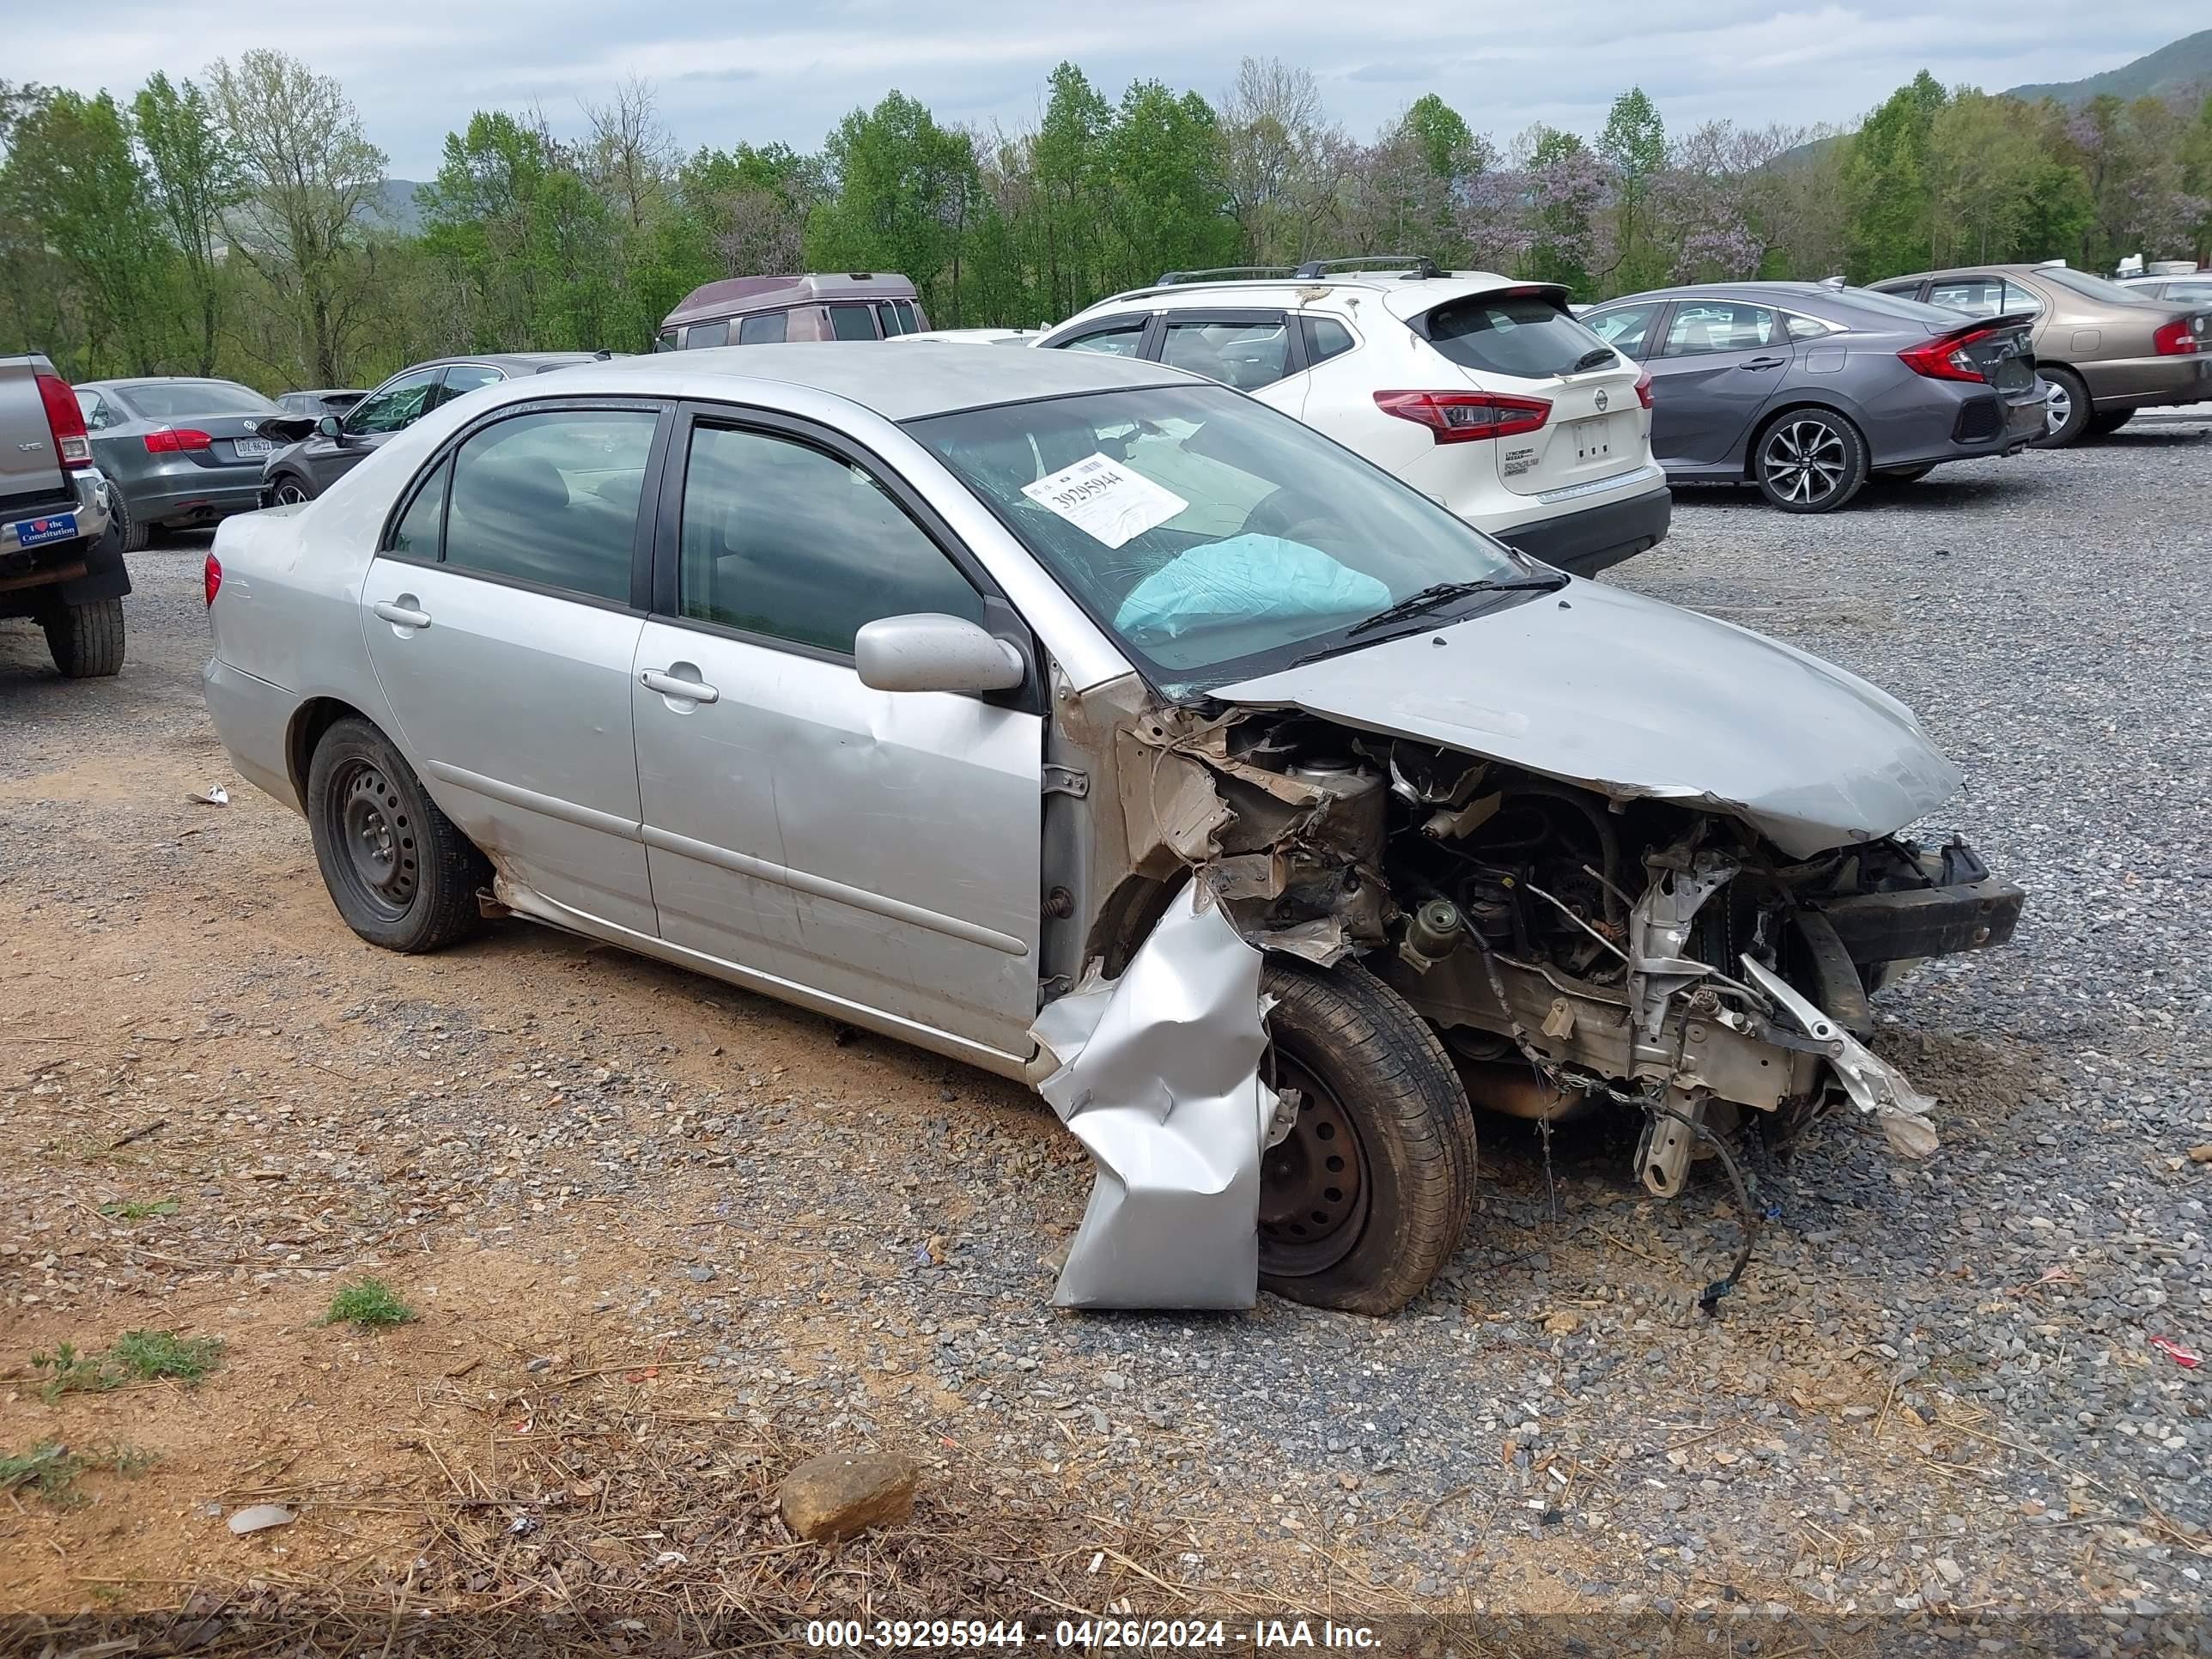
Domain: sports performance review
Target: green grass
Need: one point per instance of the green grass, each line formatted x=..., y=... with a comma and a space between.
x=369, y=1303
x=134, y=1209
x=137, y=1357
x=51, y=1470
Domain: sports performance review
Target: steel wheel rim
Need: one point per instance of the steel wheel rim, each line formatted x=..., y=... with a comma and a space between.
x=2058, y=407
x=1315, y=1193
x=375, y=837
x=289, y=494
x=1804, y=461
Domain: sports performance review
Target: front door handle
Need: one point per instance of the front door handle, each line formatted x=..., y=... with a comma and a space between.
x=401, y=612
x=672, y=685
x=1763, y=362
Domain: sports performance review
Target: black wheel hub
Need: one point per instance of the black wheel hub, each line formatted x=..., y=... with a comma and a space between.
x=1314, y=1191
x=376, y=839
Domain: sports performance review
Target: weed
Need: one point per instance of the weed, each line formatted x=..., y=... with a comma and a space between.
x=369, y=1301
x=51, y=1470
x=136, y=1210
x=137, y=1357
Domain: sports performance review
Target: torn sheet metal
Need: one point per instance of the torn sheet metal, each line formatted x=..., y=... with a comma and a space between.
x=1159, y=1078
x=1876, y=1086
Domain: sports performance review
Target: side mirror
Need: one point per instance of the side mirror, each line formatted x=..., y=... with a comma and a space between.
x=330, y=427
x=930, y=651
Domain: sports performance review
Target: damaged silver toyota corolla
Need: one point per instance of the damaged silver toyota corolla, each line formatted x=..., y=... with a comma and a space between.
x=1103, y=727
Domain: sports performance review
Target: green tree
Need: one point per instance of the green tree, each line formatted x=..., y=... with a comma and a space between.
x=1887, y=200
x=1634, y=144
x=1168, y=209
x=1069, y=159
x=907, y=193
x=193, y=181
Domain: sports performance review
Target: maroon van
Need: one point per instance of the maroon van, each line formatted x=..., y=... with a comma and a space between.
x=850, y=304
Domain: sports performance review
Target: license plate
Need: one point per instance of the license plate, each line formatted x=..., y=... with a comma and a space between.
x=37, y=533
x=253, y=446
x=1593, y=438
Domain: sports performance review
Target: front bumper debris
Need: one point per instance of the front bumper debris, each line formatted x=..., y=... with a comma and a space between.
x=1876, y=1087
x=1159, y=1077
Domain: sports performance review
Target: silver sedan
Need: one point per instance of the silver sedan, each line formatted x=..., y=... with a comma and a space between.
x=1102, y=727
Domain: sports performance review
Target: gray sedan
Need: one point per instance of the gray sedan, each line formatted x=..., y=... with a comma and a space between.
x=1807, y=390
x=1100, y=727
x=176, y=451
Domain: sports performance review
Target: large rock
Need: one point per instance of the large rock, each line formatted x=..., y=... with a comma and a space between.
x=841, y=1493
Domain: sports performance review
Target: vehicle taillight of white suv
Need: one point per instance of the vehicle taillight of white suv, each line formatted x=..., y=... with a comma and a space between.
x=1482, y=392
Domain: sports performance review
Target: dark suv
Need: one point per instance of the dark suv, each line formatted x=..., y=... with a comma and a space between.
x=852, y=305
x=328, y=447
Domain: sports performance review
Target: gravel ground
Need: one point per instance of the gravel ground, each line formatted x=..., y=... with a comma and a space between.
x=1934, y=1396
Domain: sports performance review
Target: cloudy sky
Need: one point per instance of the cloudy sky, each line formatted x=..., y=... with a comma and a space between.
x=749, y=69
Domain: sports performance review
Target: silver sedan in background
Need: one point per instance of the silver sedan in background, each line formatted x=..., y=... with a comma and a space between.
x=176, y=451
x=1807, y=390
x=1101, y=727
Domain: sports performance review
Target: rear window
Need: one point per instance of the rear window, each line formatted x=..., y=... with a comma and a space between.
x=2096, y=287
x=167, y=400
x=853, y=322
x=1886, y=303
x=1522, y=335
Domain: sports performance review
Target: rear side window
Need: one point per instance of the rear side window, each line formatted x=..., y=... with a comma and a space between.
x=767, y=329
x=1247, y=355
x=1522, y=335
x=910, y=318
x=852, y=323
x=1713, y=325
x=783, y=539
x=1978, y=296
x=1326, y=338
x=892, y=322
x=551, y=498
x=706, y=334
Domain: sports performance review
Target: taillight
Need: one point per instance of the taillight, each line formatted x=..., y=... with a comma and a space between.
x=2174, y=340
x=172, y=439
x=66, y=421
x=1644, y=388
x=1458, y=417
x=1945, y=358
x=211, y=578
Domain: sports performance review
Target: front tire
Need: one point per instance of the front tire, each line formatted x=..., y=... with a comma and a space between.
x=289, y=490
x=2067, y=414
x=1809, y=460
x=1363, y=1203
x=86, y=639
x=399, y=871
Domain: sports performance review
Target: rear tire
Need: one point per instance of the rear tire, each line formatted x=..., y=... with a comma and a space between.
x=399, y=871
x=1905, y=474
x=130, y=533
x=2103, y=423
x=1809, y=460
x=2068, y=414
x=1363, y=1203
x=86, y=639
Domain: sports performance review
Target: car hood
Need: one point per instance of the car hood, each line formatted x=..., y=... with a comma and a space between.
x=1637, y=699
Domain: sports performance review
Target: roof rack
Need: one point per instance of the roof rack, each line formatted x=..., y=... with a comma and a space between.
x=1415, y=265
x=1221, y=274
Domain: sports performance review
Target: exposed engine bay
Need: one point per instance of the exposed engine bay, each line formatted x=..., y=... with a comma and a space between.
x=1571, y=947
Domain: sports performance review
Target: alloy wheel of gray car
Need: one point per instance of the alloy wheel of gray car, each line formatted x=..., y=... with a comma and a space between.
x=399, y=871
x=2066, y=412
x=290, y=491
x=1810, y=460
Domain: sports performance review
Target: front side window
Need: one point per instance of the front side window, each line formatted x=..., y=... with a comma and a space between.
x=665, y=341
x=783, y=539
x=1247, y=355
x=1522, y=335
x=1125, y=340
x=768, y=328
x=396, y=405
x=851, y=322
x=1626, y=329
x=707, y=334
x=1711, y=325
x=552, y=499
x=1215, y=538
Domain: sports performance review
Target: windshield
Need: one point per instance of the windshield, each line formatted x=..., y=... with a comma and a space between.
x=165, y=400
x=2096, y=287
x=1214, y=538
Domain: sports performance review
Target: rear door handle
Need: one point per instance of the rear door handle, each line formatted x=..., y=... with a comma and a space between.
x=1763, y=362
x=400, y=614
x=675, y=685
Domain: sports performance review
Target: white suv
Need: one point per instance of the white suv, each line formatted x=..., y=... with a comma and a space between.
x=1482, y=392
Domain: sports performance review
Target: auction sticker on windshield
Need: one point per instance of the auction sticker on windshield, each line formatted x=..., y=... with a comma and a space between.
x=1105, y=499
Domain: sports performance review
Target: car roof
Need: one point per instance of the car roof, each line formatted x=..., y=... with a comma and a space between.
x=734, y=295
x=124, y=383
x=524, y=360
x=1404, y=293
x=933, y=377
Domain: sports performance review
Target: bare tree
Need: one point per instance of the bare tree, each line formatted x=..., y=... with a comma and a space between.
x=632, y=154
x=1282, y=161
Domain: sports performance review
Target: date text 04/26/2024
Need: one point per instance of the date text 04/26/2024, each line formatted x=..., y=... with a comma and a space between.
x=1092, y=1635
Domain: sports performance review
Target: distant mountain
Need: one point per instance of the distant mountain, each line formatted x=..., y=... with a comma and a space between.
x=2183, y=66
x=395, y=206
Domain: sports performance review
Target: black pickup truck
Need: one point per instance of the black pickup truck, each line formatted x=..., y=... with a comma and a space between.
x=58, y=564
